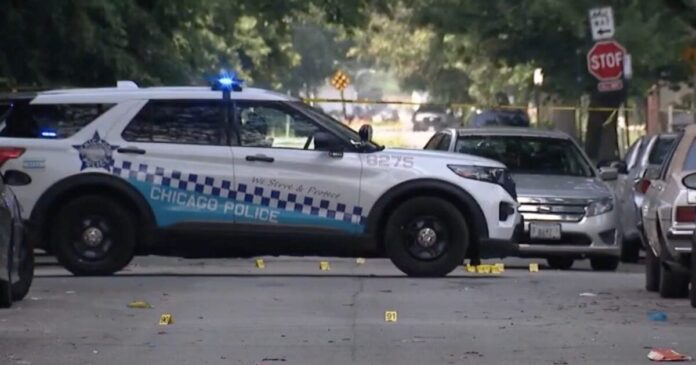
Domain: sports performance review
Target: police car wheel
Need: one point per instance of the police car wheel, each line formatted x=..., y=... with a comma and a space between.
x=426, y=237
x=93, y=235
x=20, y=289
x=5, y=286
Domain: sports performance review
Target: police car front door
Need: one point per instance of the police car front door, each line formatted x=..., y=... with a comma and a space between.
x=284, y=182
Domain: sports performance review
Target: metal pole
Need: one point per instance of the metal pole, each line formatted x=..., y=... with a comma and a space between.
x=226, y=113
x=343, y=106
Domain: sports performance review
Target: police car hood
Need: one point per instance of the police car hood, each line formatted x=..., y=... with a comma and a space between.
x=450, y=157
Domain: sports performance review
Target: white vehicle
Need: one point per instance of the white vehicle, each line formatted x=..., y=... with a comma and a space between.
x=111, y=172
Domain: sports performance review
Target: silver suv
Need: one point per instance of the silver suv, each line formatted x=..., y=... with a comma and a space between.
x=568, y=210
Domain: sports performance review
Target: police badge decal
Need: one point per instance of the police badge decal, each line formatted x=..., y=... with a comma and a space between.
x=96, y=153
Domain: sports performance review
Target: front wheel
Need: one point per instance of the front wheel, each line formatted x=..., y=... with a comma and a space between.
x=20, y=289
x=652, y=270
x=604, y=263
x=93, y=235
x=426, y=237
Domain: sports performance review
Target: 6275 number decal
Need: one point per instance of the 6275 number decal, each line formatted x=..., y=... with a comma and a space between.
x=389, y=161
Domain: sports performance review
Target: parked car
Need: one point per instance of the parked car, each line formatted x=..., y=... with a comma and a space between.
x=692, y=291
x=111, y=172
x=568, y=209
x=498, y=117
x=669, y=218
x=16, y=256
x=434, y=116
x=647, y=151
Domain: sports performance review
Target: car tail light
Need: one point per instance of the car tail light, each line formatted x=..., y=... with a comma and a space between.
x=685, y=214
x=9, y=153
x=643, y=185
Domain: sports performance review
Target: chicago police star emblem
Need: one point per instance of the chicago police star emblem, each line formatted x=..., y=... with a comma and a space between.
x=96, y=153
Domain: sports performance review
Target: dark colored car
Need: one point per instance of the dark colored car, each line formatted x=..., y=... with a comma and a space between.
x=16, y=255
x=498, y=117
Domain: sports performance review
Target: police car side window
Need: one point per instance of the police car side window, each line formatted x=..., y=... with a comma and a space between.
x=197, y=122
x=434, y=142
x=264, y=124
x=444, y=143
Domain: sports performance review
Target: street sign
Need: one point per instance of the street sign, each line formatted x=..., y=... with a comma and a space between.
x=340, y=80
x=610, y=85
x=605, y=60
x=602, y=23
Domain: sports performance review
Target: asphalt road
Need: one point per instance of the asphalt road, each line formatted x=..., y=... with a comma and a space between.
x=229, y=312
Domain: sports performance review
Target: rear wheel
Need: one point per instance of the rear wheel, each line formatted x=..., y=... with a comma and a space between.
x=25, y=269
x=426, y=237
x=652, y=270
x=673, y=284
x=6, y=286
x=93, y=235
x=560, y=263
x=604, y=263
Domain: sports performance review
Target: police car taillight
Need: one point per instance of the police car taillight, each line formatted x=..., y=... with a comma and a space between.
x=9, y=153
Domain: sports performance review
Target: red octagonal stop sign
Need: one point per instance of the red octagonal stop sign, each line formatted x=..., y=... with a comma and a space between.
x=605, y=60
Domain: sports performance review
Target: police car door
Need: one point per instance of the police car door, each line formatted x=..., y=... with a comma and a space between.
x=175, y=152
x=283, y=181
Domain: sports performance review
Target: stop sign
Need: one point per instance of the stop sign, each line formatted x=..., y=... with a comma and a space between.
x=605, y=60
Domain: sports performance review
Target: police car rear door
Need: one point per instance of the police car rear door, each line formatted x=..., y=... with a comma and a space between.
x=283, y=181
x=175, y=152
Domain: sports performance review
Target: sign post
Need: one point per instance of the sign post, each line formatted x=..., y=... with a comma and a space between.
x=340, y=81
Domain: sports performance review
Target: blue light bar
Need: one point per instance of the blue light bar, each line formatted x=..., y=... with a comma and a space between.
x=49, y=134
x=227, y=81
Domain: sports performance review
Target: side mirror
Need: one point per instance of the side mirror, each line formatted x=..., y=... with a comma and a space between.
x=365, y=133
x=608, y=173
x=620, y=166
x=324, y=141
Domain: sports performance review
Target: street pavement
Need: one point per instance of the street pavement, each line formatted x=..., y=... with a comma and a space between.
x=227, y=311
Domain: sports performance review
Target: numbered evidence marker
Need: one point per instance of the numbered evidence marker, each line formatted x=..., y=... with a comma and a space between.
x=360, y=261
x=470, y=268
x=166, y=319
x=324, y=266
x=260, y=264
x=390, y=316
x=500, y=267
x=533, y=267
x=483, y=269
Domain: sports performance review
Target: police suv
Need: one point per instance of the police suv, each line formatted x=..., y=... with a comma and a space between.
x=106, y=173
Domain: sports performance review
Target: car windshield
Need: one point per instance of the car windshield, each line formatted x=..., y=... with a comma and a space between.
x=661, y=149
x=529, y=155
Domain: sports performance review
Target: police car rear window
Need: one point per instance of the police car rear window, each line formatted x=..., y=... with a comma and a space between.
x=180, y=122
x=53, y=121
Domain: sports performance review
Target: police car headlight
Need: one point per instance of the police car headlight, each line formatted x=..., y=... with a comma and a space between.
x=493, y=175
x=601, y=206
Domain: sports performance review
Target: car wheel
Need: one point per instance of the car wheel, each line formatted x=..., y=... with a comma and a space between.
x=6, y=286
x=630, y=250
x=604, y=263
x=560, y=263
x=426, y=237
x=652, y=271
x=93, y=235
x=673, y=284
x=20, y=289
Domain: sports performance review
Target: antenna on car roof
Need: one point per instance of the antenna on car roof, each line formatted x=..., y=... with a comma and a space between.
x=126, y=84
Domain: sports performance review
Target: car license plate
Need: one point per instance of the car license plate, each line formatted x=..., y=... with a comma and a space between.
x=545, y=231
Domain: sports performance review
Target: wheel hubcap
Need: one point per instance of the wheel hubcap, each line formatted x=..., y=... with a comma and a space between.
x=92, y=236
x=426, y=237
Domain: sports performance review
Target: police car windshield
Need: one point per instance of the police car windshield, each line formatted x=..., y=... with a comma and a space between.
x=333, y=124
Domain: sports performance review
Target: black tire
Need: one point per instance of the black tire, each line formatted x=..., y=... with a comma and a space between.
x=560, y=263
x=104, y=218
x=630, y=250
x=20, y=289
x=604, y=263
x=652, y=271
x=416, y=251
x=6, y=286
x=673, y=284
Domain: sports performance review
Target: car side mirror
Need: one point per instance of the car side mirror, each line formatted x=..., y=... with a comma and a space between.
x=324, y=141
x=365, y=133
x=620, y=167
x=608, y=173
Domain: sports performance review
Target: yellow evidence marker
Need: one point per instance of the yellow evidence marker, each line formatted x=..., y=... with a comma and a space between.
x=500, y=267
x=139, y=304
x=483, y=269
x=390, y=316
x=360, y=261
x=534, y=267
x=495, y=269
x=260, y=264
x=166, y=319
x=470, y=268
x=324, y=266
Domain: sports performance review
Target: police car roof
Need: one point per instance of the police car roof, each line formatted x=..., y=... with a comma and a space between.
x=127, y=90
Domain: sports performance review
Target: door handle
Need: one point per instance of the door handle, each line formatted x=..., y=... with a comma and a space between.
x=131, y=150
x=260, y=158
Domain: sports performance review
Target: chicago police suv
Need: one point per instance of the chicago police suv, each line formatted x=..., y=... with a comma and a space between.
x=111, y=172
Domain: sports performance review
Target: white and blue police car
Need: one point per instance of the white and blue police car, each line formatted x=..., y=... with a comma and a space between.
x=107, y=173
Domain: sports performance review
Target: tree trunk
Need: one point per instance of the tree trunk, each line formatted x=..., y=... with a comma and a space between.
x=601, y=142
